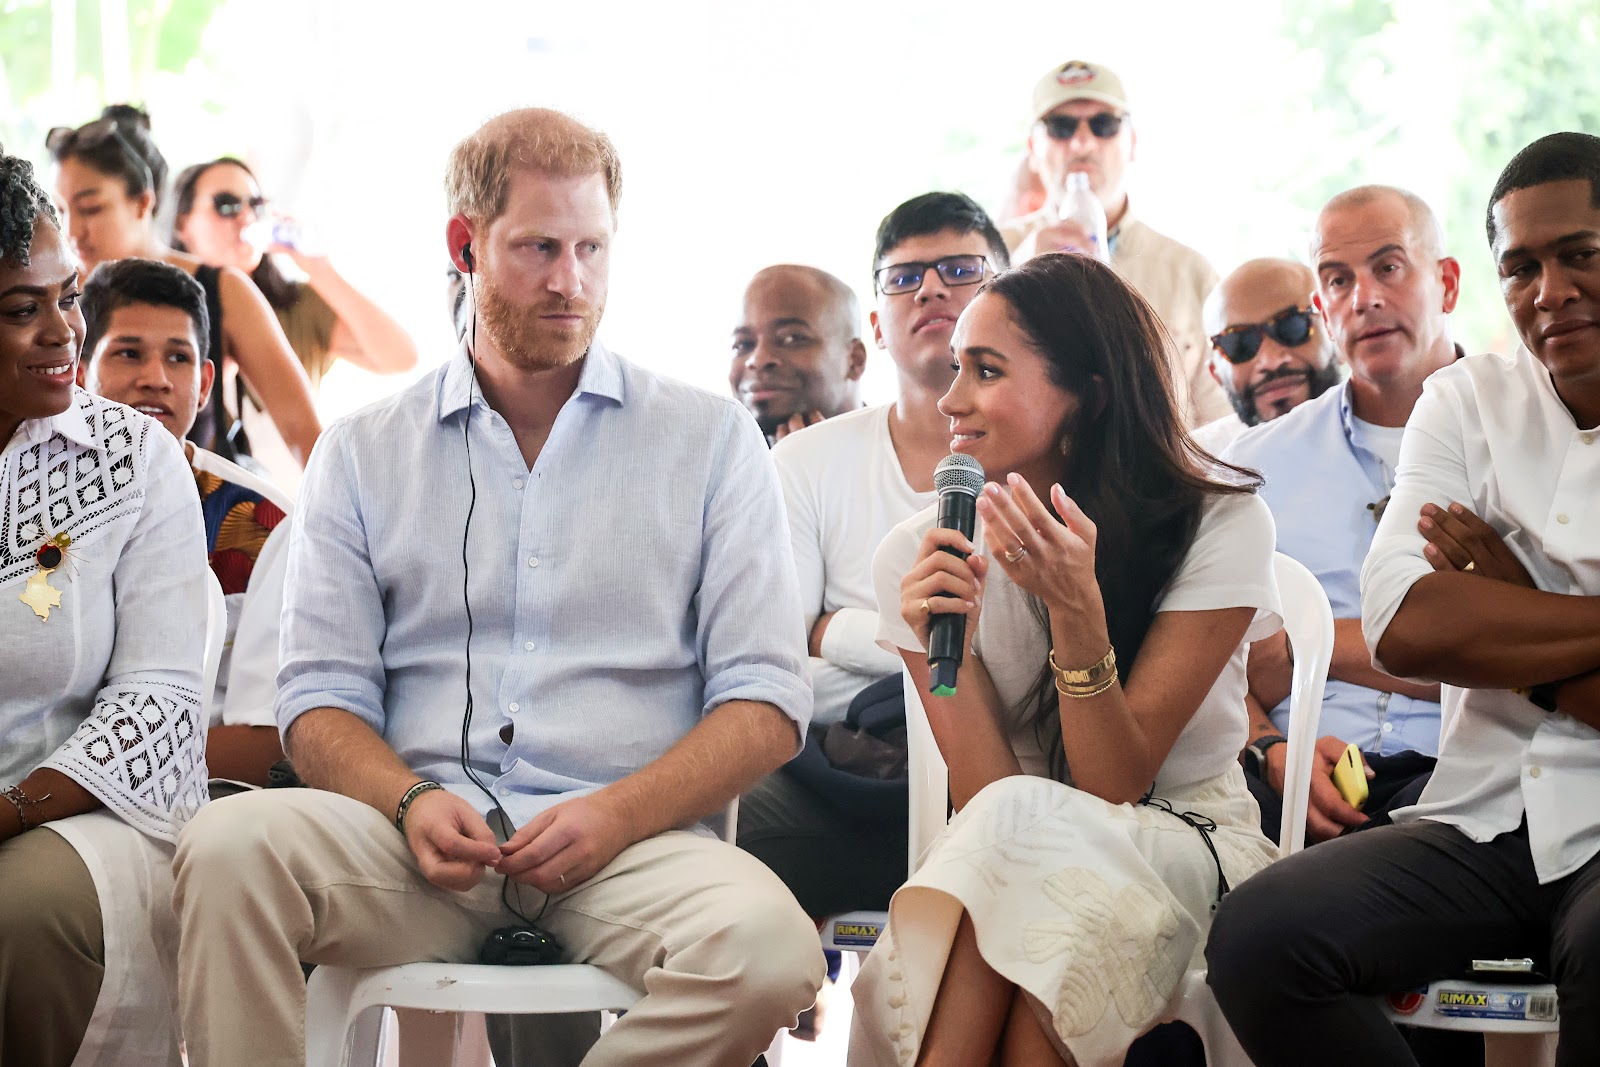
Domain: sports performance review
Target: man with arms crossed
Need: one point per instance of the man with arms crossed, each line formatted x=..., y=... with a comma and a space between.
x=633, y=649
x=1484, y=575
x=1384, y=291
x=797, y=351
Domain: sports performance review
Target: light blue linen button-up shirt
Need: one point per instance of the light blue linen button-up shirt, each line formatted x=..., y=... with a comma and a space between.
x=1322, y=488
x=637, y=577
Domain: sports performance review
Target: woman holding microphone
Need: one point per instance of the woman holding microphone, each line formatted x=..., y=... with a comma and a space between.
x=1115, y=580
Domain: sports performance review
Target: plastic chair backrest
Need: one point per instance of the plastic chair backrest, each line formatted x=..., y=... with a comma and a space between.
x=216, y=634
x=1309, y=620
x=929, y=778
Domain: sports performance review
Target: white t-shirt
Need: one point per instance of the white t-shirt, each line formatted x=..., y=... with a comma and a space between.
x=844, y=490
x=1228, y=566
x=1216, y=436
x=247, y=675
x=1381, y=441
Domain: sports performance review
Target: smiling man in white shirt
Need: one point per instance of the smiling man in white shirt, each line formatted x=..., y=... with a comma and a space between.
x=1485, y=575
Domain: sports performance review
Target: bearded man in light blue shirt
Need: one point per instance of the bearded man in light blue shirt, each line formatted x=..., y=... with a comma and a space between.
x=536, y=629
x=1384, y=292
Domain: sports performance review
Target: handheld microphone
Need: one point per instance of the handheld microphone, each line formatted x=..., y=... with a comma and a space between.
x=958, y=479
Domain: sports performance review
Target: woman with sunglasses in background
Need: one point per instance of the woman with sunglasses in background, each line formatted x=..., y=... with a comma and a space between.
x=1110, y=593
x=221, y=217
x=109, y=180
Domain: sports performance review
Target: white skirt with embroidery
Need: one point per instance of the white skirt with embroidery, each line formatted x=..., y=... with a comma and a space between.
x=1095, y=910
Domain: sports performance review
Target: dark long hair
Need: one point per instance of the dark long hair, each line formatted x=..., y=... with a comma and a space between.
x=280, y=292
x=1130, y=464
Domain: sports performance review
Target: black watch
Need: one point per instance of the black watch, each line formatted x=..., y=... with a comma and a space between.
x=1259, y=748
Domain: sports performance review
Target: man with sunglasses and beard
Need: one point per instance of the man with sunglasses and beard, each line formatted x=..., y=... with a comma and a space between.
x=1081, y=124
x=1268, y=352
x=1384, y=292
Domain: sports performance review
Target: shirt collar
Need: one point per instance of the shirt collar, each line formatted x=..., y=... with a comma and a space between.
x=602, y=376
x=70, y=424
x=1347, y=413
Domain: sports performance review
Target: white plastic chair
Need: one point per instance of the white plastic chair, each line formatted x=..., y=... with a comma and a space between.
x=345, y=1005
x=1308, y=618
x=216, y=634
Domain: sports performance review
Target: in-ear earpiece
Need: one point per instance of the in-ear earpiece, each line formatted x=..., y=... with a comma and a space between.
x=466, y=257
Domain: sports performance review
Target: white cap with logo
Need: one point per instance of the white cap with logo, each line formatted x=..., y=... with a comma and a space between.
x=1077, y=79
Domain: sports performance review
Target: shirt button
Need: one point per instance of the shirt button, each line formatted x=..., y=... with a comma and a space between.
x=1562, y=519
x=1534, y=772
x=1388, y=727
x=1587, y=438
x=517, y=484
x=533, y=561
x=513, y=706
x=527, y=646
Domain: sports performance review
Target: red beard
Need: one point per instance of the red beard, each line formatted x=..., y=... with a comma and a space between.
x=526, y=340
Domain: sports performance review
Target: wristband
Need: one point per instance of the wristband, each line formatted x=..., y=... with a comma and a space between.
x=410, y=798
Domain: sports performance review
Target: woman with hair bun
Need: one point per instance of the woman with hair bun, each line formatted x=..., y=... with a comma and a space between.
x=220, y=216
x=110, y=177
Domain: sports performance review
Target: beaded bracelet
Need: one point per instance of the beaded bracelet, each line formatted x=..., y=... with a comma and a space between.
x=410, y=798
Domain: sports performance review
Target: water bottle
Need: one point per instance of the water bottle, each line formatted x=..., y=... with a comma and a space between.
x=268, y=232
x=1080, y=205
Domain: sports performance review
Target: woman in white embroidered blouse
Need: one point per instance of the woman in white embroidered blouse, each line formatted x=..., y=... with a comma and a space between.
x=1101, y=811
x=102, y=627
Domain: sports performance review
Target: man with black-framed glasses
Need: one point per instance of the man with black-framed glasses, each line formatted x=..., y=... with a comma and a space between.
x=1383, y=292
x=1082, y=124
x=1269, y=351
x=847, y=481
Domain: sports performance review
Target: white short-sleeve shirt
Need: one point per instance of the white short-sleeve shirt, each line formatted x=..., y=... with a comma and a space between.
x=1228, y=566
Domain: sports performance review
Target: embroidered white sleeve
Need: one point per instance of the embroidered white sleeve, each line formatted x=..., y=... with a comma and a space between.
x=141, y=748
x=142, y=753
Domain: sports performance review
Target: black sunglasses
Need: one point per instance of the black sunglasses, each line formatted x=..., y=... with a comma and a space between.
x=1291, y=327
x=1103, y=125
x=900, y=278
x=228, y=205
x=65, y=139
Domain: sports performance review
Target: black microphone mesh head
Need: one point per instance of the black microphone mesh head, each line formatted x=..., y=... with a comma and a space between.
x=959, y=472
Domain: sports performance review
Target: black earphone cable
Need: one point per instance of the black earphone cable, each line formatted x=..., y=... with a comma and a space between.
x=466, y=598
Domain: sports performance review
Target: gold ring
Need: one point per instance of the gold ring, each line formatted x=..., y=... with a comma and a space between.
x=926, y=610
x=1012, y=557
x=1472, y=565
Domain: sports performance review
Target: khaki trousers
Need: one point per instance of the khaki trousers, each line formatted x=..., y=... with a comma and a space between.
x=52, y=950
x=722, y=951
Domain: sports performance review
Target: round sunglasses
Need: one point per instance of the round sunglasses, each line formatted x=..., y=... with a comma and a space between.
x=1291, y=327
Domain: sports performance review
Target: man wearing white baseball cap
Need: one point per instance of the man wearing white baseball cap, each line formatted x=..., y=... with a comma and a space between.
x=1082, y=124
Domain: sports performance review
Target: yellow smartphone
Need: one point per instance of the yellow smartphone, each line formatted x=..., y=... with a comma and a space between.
x=1350, y=777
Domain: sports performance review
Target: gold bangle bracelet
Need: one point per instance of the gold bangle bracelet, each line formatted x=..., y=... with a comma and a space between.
x=1084, y=692
x=1089, y=676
